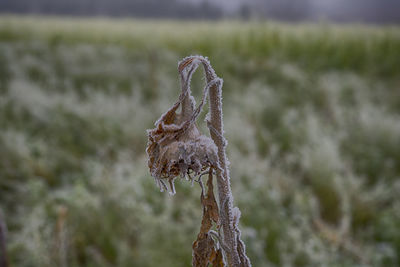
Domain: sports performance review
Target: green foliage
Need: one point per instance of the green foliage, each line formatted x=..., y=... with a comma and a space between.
x=311, y=114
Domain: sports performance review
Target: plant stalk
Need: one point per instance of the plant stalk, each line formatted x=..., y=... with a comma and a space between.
x=227, y=217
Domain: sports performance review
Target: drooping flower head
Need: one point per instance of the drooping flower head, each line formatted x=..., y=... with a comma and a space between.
x=175, y=146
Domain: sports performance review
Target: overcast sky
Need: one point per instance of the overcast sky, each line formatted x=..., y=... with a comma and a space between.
x=315, y=5
x=371, y=11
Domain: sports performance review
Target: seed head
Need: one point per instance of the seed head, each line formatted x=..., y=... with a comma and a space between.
x=175, y=146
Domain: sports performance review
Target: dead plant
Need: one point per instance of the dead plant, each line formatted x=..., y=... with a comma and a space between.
x=177, y=148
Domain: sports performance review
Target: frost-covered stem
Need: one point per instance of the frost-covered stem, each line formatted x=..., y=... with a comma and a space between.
x=233, y=246
x=223, y=177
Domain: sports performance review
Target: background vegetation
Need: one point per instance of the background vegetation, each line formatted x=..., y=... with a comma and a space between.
x=311, y=116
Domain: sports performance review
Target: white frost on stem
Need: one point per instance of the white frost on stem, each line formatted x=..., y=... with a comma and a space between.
x=177, y=148
x=235, y=249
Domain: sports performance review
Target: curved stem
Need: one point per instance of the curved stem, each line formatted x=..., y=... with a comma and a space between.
x=223, y=178
x=229, y=215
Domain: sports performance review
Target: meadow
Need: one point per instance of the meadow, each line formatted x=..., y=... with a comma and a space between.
x=312, y=117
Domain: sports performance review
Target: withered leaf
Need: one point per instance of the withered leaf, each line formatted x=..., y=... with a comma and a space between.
x=204, y=248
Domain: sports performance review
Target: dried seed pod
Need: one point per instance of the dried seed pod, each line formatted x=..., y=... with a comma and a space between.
x=175, y=146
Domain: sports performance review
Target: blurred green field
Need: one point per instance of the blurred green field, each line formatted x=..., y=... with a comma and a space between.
x=312, y=116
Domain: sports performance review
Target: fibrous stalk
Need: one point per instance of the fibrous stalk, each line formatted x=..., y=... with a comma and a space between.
x=176, y=147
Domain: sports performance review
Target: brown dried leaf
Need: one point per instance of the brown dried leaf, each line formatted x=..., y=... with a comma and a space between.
x=204, y=248
x=217, y=258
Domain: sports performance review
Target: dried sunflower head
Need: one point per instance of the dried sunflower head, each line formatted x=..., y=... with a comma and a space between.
x=175, y=146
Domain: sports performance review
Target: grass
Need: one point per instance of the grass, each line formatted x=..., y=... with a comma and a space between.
x=311, y=115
